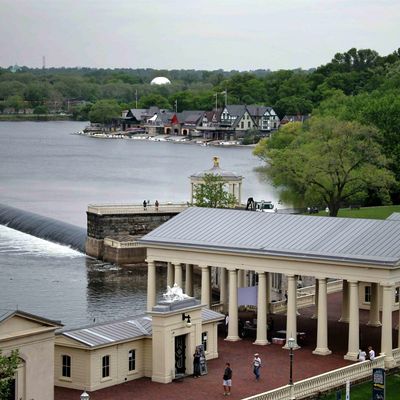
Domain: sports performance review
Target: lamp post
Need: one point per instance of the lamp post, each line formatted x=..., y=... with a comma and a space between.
x=85, y=396
x=291, y=343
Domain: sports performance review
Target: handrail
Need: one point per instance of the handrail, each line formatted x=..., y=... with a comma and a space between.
x=323, y=382
x=105, y=209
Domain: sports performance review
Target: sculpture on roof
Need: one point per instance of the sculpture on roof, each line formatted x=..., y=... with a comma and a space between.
x=174, y=293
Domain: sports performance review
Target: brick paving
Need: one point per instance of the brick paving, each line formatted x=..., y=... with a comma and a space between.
x=275, y=370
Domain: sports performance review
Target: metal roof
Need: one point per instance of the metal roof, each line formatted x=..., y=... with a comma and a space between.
x=343, y=239
x=123, y=330
x=394, y=217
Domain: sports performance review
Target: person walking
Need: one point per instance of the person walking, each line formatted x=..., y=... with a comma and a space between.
x=371, y=353
x=144, y=205
x=156, y=205
x=257, y=366
x=227, y=379
x=196, y=363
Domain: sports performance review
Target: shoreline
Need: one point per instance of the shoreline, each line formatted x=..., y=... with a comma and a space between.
x=34, y=117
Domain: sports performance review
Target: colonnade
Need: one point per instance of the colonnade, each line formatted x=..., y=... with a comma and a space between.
x=231, y=278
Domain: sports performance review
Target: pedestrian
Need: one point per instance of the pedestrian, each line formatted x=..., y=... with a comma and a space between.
x=227, y=379
x=362, y=355
x=144, y=205
x=371, y=353
x=196, y=363
x=257, y=366
x=156, y=205
x=226, y=323
x=286, y=297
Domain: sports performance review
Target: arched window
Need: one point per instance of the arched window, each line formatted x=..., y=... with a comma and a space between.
x=66, y=366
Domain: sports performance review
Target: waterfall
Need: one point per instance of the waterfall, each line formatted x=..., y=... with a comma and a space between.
x=43, y=227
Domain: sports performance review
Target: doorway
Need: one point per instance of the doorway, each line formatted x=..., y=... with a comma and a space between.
x=180, y=355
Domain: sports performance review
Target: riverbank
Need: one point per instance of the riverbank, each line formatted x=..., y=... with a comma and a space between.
x=35, y=117
x=161, y=138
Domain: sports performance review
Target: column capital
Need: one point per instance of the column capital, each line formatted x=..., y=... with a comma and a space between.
x=149, y=260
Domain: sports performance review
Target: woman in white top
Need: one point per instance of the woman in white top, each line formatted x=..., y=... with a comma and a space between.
x=371, y=353
x=362, y=355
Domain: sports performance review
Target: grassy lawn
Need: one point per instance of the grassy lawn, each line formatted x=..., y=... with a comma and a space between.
x=363, y=391
x=366, y=212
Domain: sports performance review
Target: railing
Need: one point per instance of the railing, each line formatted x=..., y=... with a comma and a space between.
x=136, y=208
x=323, y=382
x=305, y=297
x=121, y=245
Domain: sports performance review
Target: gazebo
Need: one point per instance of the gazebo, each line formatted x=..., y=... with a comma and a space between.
x=233, y=180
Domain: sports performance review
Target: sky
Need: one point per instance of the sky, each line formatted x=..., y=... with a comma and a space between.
x=193, y=34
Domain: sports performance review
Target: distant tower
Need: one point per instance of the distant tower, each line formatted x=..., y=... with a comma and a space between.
x=44, y=62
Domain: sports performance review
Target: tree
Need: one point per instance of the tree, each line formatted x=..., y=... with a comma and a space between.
x=104, y=111
x=212, y=193
x=16, y=102
x=8, y=366
x=327, y=161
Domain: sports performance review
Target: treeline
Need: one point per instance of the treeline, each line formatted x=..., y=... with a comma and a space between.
x=353, y=74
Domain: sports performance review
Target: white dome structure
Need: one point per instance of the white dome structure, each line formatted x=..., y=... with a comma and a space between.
x=160, y=80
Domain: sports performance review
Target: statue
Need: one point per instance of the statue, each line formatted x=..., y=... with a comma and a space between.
x=174, y=293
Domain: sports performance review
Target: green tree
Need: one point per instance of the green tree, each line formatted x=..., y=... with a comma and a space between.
x=16, y=102
x=40, y=110
x=212, y=193
x=104, y=111
x=326, y=161
x=8, y=366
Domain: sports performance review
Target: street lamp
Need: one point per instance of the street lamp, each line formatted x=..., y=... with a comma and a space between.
x=291, y=343
x=85, y=396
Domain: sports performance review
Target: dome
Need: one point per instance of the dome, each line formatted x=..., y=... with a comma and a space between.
x=216, y=170
x=160, y=80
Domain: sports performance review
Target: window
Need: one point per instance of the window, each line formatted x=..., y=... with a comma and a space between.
x=248, y=124
x=131, y=360
x=66, y=366
x=105, y=370
x=242, y=124
x=204, y=338
x=367, y=294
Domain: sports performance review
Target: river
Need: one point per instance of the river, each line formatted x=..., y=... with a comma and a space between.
x=47, y=170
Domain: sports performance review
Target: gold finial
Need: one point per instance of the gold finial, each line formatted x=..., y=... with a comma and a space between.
x=216, y=162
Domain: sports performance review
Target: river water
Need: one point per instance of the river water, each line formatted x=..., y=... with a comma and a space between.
x=47, y=170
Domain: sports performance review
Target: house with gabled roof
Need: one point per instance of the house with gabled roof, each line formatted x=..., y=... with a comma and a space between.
x=265, y=117
x=33, y=337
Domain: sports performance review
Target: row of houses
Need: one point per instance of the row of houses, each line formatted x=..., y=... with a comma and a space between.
x=227, y=123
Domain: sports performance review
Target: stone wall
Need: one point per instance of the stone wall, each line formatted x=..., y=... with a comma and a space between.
x=115, y=225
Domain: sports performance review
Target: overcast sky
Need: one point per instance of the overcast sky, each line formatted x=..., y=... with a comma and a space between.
x=193, y=34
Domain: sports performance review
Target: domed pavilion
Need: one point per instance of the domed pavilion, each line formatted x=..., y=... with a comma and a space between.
x=231, y=179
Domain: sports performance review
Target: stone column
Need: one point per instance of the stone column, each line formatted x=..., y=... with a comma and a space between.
x=354, y=338
x=151, y=284
x=374, y=306
x=322, y=323
x=170, y=275
x=191, y=192
x=398, y=339
x=291, y=314
x=316, y=294
x=262, y=310
x=268, y=295
x=178, y=274
x=386, y=333
x=233, y=307
x=223, y=289
x=240, y=194
x=345, y=302
x=189, y=280
x=205, y=285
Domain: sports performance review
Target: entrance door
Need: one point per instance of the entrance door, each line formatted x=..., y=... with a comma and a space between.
x=180, y=357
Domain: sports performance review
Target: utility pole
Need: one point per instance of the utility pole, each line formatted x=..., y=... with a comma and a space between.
x=136, y=98
x=176, y=105
x=216, y=101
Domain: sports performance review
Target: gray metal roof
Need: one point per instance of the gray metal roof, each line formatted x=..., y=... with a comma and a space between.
x=112, y=332
x=394, y=217
x=123, y=330
x=343, y=239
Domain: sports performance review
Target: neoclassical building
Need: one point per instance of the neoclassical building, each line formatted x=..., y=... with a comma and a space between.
x=359, y=252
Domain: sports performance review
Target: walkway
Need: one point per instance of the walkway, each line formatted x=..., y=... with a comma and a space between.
x=275, y=372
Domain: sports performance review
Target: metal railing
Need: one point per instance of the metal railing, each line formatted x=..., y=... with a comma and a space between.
x=109, y=209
